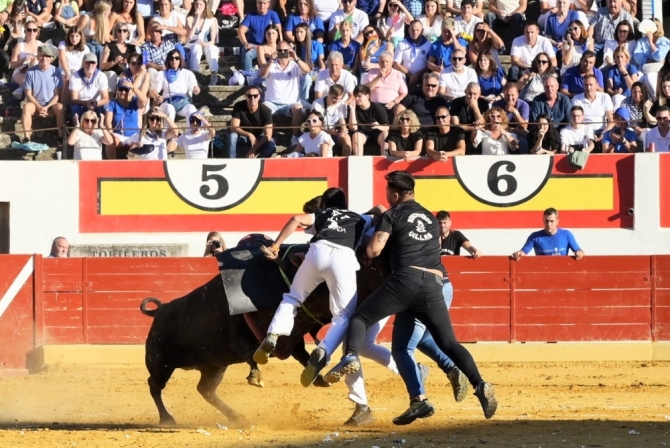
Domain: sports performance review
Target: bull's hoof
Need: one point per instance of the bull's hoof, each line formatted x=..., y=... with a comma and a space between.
x=168, y=420
x=320, y=382
x=255, y=378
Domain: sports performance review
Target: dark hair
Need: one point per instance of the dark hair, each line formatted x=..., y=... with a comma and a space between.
x=662, y=109
x=550, y=211
x=631, y=33
x=82, y=41
x=362, y=88
x=250, y=88
x=467, y=2
x=442, y=214
x=531, y=23
x=271, y=26
x=169, y=56
x=312, y=206
x=574, y=108
x=587, y=55
x=643, y=88
x=334, y=198
x=509, y=86
x=118, y=9
x=401, y=182
x=305, y=45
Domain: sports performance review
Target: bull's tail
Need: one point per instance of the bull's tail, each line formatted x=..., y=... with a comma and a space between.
x=145, y=302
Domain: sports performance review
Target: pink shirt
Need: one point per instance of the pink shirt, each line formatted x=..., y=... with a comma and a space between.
x=389, y=88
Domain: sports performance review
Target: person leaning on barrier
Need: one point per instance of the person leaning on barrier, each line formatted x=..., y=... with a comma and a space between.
x=577, y=136
x=621, y=138
x=444, y=141
x=367, y=121
x=451, y=240
x=196, y=140
x=493, y=137
x=334, y=111
x=87, y=138
x=543, y=138
x=551, y=240
x=405, y=139
x=60, y=248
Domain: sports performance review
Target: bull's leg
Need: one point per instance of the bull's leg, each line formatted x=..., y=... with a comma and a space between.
x=157, y=382
x=255, y=377
x=210, y=378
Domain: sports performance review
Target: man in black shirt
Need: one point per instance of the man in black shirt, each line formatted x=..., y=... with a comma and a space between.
x=252, y=124
x=425, y=103
x=468, y=111
x=415, y=285
x=445, y=141
x=367, y=120
x=451, y=241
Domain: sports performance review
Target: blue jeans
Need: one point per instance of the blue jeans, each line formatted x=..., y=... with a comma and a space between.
x=264, y=151
x=305, y=85
x=96, y=48
x=410, y=334
x=248, y=57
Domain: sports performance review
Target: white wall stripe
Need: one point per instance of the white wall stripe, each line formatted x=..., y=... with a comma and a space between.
x=16, y=286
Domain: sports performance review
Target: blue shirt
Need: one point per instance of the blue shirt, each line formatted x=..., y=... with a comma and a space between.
x=257, y=25
x=348, y=53
x=557, y=31
x=315, y=24
x=618, y=81
x=317, y=49
x=560, y=113
x=629, y=135
x=492, y=85
x=124, y=119
x=522, y=106
x=442, y=53
x=573, y=81
x=369, y=7
x=643, y=52
x=43, y=84
x=544, y=244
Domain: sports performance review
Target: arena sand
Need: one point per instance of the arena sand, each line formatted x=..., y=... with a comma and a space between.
x=541, y=405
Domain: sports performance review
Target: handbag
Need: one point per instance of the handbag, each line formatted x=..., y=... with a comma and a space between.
x=179, y=102
x=577, y=159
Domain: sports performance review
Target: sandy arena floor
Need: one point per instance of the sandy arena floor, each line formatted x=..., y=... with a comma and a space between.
x=541, y=405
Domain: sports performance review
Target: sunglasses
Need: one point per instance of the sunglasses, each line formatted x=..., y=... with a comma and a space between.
x=123, y=89
x=313, y=120
x=32, y=30
x=136, y=63
x=155, y=118
x=495, y=116
x=122, y=31
x=457, y=58
x=369, y=33
x=195, y=121
x=442, y=117
x=542, y=61
x=90, y=120
x=253, y=95
x=573, y=29
x=175, y=58
x=431, y=86
x=404, y=119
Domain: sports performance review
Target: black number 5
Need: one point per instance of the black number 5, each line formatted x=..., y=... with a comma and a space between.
x=221, y=189
x=493, y=178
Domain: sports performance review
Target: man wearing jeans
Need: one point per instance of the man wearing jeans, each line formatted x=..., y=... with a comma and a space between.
x=252, y=124
x=252, y=31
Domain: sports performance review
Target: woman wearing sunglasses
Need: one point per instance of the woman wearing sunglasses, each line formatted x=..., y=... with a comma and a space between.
x=315, y=142
x=373, y=46
x=126, y=11
x=405, y=140
x=576, y=42
x=559, y=22
x=175, y=87
x=124, y=114
x=485, y=39
x=393, y=20
x=531, y=82
x=493, y=137
x=87, y=138
x=115, y=55
x=197, y=138
x=154, y=142
x=71, y=53
x=24, y=56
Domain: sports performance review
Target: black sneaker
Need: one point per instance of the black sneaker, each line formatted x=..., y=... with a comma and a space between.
x=487, y=398
x=361, y=416
x=459, y=383
x=317, y=361
x=417, y=409
x=262, y=353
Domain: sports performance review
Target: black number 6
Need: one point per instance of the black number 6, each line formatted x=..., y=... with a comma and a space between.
x=221, y=182
x=493, y=178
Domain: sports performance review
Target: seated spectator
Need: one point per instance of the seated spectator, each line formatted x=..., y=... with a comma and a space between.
x=635, y=105
x=576, y=42
x=425, y=103
x=664, y=72
x=485, y=40
x=663, y=99
x=96, y=27
x=456, y=77
x=491, y=78
x=621, y=77
x=174, y=87
x=89, y=88
x=596, y=106
x=623, y=36
x=551, y=103
x=70, y=57
x=576, y=136
x=444, y=141
x=334, y=74
x=137, y=74
x=334, y=111
x=650, y=53
x=468, y=111
x=367, y=121
x=415, y=7
x=251, y=123
x=269, y=46
x=455, y=7
x=518, y=110
x=282, y=94
x=171, y=21
x=358, y=19
x=38, y=11
x=305, y=13
x=431, y=21
x=197, y=138
x=621, y=138
x=526, y=48
x=572, y=82
x=215, y=244
x=154, y=142
x=252, y=30
x=531, y=83
x=311, y=53
x=87, y=138
x=202, y=35
x=315, y=141
x=157, y=48
x=411, y=55
x=347, y=47
x=124, y=113
x=557, y=22
x=126, y=12
x=388, y=87
x=441, y=51
x=24, y=56
x=544, y=138
x=492, y=136
x=116, y=52
x=325, y=10
x=657, y=139
x=465, y=23
x=405, y=139
x=372, y=48
x=551, y=240
x=506, y=18
x=393, y=20
x=603, y=24
x=66, y=13
x=60, y=248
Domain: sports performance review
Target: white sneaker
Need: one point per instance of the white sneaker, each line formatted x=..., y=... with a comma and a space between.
x=18, y=93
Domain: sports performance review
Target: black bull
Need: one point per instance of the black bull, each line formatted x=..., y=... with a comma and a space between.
x=198, y=332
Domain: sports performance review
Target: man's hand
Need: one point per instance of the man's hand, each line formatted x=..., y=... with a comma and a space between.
x=252, y=140
x=616, y=138
x=476, y=254
x=579, y=254
x=76, y=121
x=92, y=105
x=44, y=112
x=516, y=256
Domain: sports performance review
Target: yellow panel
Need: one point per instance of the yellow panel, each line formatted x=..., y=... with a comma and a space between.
x=157, y=198
x=562, y=193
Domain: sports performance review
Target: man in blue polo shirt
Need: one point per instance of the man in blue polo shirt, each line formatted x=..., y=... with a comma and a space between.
x=252, y=31
x=622, y=138
x=573, y=78
x=551, y=240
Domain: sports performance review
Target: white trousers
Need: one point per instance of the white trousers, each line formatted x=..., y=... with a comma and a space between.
x=337, y=265
x=380, y=354
x=168, y=109
x=211, y=54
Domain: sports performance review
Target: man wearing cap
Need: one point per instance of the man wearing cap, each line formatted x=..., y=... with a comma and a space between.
x=622, y=138
x=89, y=88
x=42, y=86
x=122, y=114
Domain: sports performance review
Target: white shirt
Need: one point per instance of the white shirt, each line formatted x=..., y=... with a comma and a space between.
x=661, y=144
x=88, y=147
x=457, y=3
x=283, y=85
x=397, y=24
x=359, y=21
x=89, y=91
x=507, y=6
x=160, y=146
x=526, y=53
x=74, y=58
x=456, y=83
x=434, y=31
x=491, y=146
x=195, y=145
x=595, y=113
x=324, y=81
x=571, y=136
x=463, y=27
x=182, y=86
x=326, y=8
x=411, y=57
x=611, y=45
x=313, y=145
x=333, y=114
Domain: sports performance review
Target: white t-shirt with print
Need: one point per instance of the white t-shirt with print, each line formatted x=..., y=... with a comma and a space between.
x=160, y=145
x=196, y=146
x=89, y=91
x=333, y=114
x=313, y=145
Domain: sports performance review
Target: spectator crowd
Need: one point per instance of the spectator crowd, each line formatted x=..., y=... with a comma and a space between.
x=402, y=78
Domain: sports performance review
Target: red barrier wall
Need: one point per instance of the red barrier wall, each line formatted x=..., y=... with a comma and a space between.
x=16, y=311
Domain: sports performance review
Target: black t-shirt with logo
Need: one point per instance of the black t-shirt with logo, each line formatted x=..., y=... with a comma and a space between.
x=341, y=227
x=261, y=118
x=451, y=245
x=414, y=239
